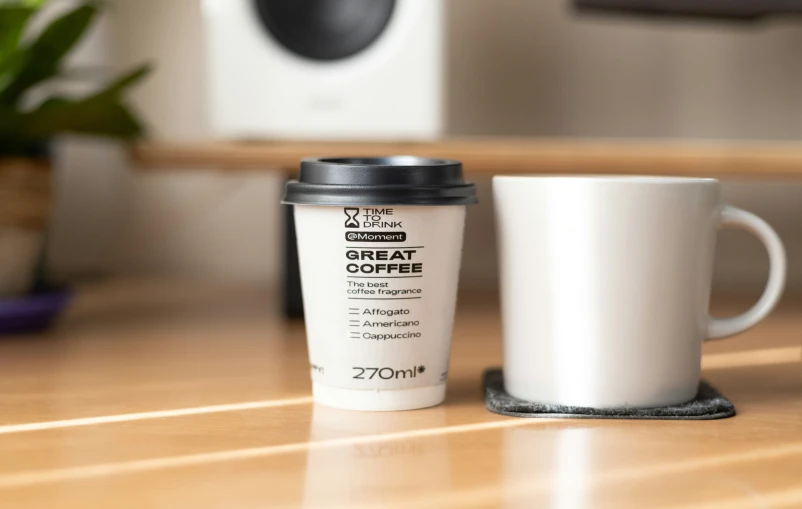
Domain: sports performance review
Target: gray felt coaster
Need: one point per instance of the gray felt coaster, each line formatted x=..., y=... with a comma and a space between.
x=708, y=404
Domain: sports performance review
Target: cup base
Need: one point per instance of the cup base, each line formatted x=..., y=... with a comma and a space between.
x=379, y=400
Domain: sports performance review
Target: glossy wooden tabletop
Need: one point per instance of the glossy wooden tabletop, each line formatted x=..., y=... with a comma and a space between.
x=197, y=396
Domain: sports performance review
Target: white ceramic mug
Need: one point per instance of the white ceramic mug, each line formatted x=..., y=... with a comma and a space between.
x=605, y=286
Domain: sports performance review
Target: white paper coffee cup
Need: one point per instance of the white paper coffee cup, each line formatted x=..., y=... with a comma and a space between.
x=379, y=243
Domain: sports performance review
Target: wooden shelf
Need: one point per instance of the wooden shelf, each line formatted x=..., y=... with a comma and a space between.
x=490, y=156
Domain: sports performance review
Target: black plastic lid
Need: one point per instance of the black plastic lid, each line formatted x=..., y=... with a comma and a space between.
x=392, y=180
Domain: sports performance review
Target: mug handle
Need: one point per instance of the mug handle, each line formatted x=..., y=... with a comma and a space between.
x=733, y=217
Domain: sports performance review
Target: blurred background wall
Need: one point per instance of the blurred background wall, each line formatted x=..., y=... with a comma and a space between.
x=520, y=67
x=515, y=67
x=195, y=222
x=91, y=175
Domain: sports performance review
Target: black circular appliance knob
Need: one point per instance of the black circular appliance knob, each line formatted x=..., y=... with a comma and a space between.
x=325, y=29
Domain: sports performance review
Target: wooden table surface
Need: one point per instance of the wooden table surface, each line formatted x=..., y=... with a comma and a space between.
x=168, y=394
x=490, y=155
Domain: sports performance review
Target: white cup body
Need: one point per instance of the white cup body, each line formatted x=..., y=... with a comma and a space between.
x=379, y=286
x=605, y=287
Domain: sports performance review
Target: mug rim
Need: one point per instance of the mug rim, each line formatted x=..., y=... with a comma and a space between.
x=611, y=178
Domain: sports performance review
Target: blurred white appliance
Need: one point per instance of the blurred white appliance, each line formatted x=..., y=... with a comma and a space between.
x=325, y=69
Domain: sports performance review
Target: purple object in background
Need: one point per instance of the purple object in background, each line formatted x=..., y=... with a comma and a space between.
x=32, y=313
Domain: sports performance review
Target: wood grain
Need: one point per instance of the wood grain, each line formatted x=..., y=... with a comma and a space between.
x=491, y=156
x=177, y=394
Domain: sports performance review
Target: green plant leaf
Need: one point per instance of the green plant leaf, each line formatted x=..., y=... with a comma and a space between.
x=12, y=23
x=118, y=86
x=102, y=113
x=42, y=59
x=24, y=65
x=34, y=4
x=97, y=115
x=13, y=18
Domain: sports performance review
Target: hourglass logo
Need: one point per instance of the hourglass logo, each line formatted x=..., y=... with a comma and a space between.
x=351, y=221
